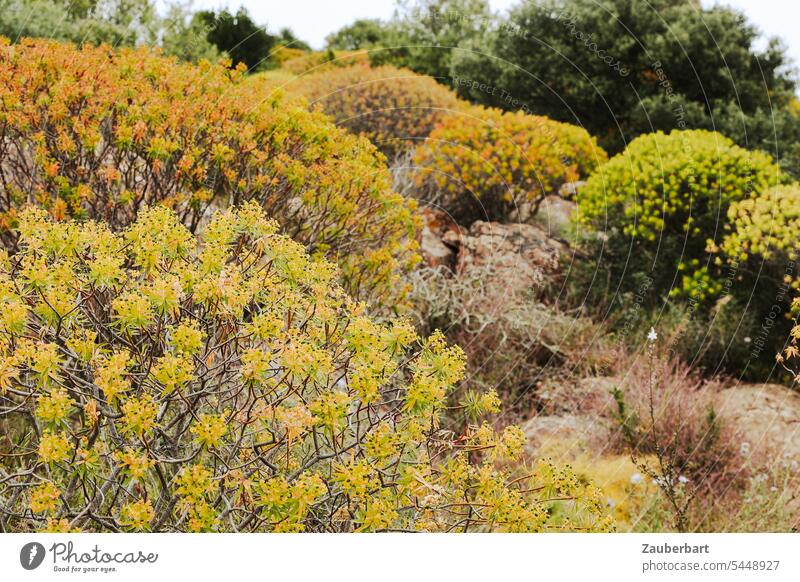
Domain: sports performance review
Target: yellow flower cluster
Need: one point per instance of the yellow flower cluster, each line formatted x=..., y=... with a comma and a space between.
x=763, y=227
x=44, y=497
x=253, y=394
x=54, y=447
x=137, y=514
x=136, y=464
x=209, y=429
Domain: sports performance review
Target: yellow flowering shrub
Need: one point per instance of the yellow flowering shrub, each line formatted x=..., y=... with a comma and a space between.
x=259, y=397
x=44, y=497
x=486, y=164
x=98, y=133
x=395, y=108
x=789, y=356
x=763, y=227
x=759, y=246
x=657, y=203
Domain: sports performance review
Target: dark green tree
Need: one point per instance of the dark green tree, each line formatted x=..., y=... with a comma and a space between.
x=288, y=38
x=240, y=37
x=622, y=68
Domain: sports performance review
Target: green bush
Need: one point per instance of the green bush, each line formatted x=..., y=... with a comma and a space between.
x=764, y=228
x=654, y=208
x=757, y=259
x=119, y=23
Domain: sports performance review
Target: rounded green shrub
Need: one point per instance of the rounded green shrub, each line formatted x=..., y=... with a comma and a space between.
x=764, y=227
x=656, y=206
x=757, y=260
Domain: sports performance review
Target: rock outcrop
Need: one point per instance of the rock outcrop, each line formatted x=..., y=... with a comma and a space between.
x=574, y=434
x=437, y=228
x=519, y=256
x=768, y=418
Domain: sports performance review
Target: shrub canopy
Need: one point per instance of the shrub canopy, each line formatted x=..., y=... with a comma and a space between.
x=150, y=380
x=485, y=164
x=98, y=133
x=658, y=203
x=394, y=108
x=764, y=227
x=319, y=61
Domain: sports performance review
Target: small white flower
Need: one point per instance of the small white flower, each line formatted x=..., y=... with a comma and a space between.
x=636, y=478
x=652, y=335
x=683, y=480
x=747, y=340
x=773, y=489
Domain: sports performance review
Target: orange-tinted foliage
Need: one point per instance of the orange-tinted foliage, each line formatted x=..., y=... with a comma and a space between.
x=98, y=133
x=394, y=108
x=317, y=61
x=486, y=164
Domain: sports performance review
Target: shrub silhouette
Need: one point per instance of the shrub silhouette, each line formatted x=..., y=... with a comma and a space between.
x=97, y=133
x=151, y=380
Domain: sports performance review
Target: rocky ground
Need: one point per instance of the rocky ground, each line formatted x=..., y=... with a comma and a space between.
x=766, y=415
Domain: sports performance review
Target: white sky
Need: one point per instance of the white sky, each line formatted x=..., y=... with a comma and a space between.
x=313, y=20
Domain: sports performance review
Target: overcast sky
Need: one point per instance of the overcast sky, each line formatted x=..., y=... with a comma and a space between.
x=313, y=20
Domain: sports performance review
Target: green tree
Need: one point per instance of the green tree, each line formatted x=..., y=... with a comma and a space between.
x=240, y=37
x=622, y=68
x=184, y=35
x=116, y=22
x=287, y=37
x=424, y=34
x=361, y=34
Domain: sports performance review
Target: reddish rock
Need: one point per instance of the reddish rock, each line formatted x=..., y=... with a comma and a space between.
x=519, y=255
